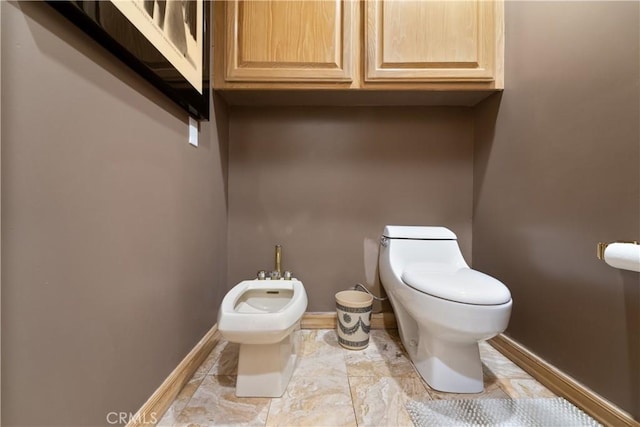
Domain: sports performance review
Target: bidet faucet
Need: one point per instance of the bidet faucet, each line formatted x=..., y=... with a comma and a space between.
x=278, y=261
x=276, y=274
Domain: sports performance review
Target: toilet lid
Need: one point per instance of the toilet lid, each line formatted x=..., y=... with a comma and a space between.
x=459, y=285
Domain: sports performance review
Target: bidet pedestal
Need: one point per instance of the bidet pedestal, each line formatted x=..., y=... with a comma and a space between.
x=264, y=370
x=450, y=367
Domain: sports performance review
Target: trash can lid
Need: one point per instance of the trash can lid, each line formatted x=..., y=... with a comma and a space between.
x=354, y=299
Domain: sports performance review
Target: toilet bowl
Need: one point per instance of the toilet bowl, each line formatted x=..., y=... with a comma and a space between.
x=262, y=316
x=443, y=308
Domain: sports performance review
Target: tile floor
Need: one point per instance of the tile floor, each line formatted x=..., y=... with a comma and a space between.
x=332, y=386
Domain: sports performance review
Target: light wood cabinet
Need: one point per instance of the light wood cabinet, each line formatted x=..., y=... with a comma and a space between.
x=434, y=41
x=290, y=41
x=377, y=45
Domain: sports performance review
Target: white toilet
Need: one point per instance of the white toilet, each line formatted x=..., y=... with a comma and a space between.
x=443, y=308
x=261, y=315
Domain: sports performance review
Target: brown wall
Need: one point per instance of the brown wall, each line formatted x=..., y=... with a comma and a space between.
x=113, y=227
x=323, y=182
x=114, y=230
x=557, y=170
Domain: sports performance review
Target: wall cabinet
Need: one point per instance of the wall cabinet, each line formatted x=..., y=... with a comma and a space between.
x=422, y=41
x=289, y=41
x=350, y=44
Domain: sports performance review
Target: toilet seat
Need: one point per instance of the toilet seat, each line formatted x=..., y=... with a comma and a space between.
x=462, y=285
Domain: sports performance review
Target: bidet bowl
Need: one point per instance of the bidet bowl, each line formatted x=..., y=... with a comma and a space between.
x=261, y=311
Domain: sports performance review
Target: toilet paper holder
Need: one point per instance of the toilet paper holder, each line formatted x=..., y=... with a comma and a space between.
x=602, y=246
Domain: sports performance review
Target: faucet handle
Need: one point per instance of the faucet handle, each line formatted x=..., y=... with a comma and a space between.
x=275, y=275
x=287, y=275
x=262, y=275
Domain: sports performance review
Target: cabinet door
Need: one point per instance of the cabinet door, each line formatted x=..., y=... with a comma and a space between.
x=434, y=40
x=290, y=41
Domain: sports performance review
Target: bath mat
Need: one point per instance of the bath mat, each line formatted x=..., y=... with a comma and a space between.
x=548, y=412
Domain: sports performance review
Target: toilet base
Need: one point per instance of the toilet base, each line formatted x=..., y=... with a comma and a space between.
x=264, y=370
x=450, y=367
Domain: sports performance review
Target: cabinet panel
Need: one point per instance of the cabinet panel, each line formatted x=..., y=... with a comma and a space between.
x=290, y=40
x=433, y=40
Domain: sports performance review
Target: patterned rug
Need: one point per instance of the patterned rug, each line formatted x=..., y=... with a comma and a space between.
x=548, y=412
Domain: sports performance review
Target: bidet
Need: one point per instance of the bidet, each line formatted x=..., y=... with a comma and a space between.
x=263, y=316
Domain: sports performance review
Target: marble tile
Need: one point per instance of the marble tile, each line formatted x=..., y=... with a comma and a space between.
x=215, y=403
x=211, y=359
x=324, y=365
x=320, y=341
x=381, y=337
x=384, y=357
x=524, y=388
x=491, y=391
x=320, y=355
x=223, y=360
x=170, y=417
x=488, y=373
x=313, y=401
x=334, y=386
x=498, y=366
x=381, y=401
x=227, y=360
x=486, y=348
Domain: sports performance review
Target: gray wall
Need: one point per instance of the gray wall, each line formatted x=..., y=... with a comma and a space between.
x=113, y=227
x=323, y=182
x=557, y=166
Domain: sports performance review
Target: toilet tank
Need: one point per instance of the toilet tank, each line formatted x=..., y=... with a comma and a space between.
x=418, y=232
x=404, y=245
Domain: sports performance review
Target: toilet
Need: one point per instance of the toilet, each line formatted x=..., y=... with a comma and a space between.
x=262, y=316
x=443, y=308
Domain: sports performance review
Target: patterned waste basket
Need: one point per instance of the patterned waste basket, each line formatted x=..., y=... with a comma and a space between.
x=354, y=319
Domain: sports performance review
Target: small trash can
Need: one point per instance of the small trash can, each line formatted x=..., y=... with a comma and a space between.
x=354, y=319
